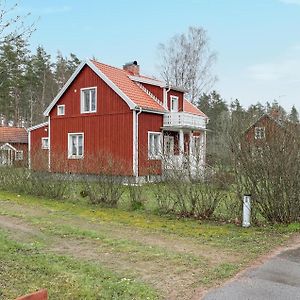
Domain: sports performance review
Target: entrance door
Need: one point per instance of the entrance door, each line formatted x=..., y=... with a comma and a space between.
x=169, y=145
x=6, y=157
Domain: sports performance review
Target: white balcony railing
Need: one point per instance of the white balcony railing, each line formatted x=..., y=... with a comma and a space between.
x=184, y=119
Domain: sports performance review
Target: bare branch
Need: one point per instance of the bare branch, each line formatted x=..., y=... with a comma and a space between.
x=186, y=61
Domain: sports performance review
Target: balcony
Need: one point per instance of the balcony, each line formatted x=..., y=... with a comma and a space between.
x=183, y=120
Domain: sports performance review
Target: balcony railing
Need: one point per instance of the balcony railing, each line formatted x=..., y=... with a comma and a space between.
x=183, y=119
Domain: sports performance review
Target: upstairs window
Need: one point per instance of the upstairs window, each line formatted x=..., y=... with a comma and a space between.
x=154, y=145
x=75, y=145
x=174, y=103
x=60, y=110
x=45, y=143
x=88, y=99
x=259, y=133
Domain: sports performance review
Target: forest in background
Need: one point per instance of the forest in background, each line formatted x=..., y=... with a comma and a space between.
x=29, y=81
x=225, y=118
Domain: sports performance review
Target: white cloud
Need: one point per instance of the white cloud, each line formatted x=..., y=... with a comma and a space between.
x=285, y=68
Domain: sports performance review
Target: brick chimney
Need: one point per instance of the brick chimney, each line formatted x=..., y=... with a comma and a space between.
x=133, y=68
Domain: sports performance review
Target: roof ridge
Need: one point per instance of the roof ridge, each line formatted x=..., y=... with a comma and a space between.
x=149, y=93
x=126, y=72
x=113, y=67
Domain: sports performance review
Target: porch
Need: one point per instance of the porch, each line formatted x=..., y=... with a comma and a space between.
x=9, y=155
x=184, y=142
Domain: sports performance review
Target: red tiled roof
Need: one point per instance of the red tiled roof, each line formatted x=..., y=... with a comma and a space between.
x=191, y=108
x=120, y=78
x=13, y=135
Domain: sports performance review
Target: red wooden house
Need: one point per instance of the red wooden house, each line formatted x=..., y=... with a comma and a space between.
x=264, y=129
x=106, y=111
x=13, y=146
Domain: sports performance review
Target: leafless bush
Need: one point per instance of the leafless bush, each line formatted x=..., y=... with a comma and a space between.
x=136, y=195
x=106, y=187
x=37, y=183
x=269, y=169
x=189, y=190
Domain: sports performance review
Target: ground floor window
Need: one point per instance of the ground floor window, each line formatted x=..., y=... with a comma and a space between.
x=75, y=145
x=154, y=145
x=19, y=155
x=45, y=143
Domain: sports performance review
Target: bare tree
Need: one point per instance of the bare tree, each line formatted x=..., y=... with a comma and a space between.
x=186, y=61
x=13, y=25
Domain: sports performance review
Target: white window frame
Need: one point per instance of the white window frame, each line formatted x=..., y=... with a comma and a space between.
x=44, y=139
x=70, y=155
x=259, y=133
x=19, y=155
x=62, y=106
x=151, y=145
x=90, y=104
x=174, y=98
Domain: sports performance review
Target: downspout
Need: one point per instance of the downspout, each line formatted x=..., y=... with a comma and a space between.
x=166, y=97
x=49, y=144
x=29, y=149
x=137, y=144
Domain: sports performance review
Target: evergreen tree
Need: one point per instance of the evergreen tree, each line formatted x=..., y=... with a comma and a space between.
x=217, y=110
x=13, y=60
x=41, y=87
x=64, y=68
x=294, y=115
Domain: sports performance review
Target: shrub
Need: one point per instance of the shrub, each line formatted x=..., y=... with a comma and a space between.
x=270, y=172
x=106, y=187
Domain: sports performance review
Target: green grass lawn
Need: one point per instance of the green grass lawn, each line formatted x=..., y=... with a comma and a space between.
x=79, y=251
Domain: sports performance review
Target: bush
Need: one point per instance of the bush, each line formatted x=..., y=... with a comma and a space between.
x=189, y=195
x=136, y=196
x=270, y=172
x=106, y=187
x=21, y=180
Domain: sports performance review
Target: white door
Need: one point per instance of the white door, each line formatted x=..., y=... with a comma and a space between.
x=169, y=145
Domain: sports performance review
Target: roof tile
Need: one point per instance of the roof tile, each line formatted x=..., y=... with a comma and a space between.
x=121, y=79
x=13, y=135
x=192, y=109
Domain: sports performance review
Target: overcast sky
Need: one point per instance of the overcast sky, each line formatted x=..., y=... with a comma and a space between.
x=257, y=41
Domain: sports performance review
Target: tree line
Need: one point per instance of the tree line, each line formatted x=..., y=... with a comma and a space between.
x=29, y=81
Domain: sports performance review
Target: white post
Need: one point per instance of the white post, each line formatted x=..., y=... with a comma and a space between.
x=246, y=210
x=181, y=141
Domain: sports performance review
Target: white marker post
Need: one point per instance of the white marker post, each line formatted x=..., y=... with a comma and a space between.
x=246, y=210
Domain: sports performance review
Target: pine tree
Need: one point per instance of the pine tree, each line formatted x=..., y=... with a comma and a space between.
x=41, y=87
x=13, y=60
x=294, y=115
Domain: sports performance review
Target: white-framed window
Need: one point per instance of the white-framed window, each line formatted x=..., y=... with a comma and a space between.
x=88, y=100
x=75, y=145
x=19, y=155
x=45, y=143
x=259, y=133
x=61, y=110
x=174, y=103
x=154, y=145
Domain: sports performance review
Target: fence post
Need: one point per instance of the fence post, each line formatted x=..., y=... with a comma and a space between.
x=246, y=210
